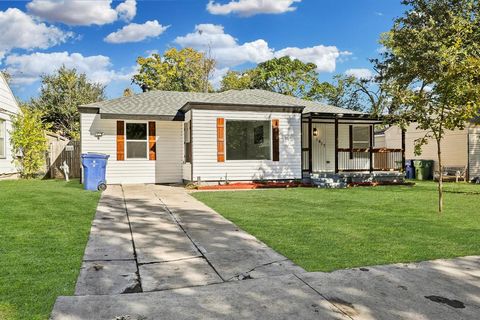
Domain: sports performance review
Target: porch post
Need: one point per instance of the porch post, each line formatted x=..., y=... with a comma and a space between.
x=403, y=150
x=370, y=150
x=336, y=144
x=310, y=156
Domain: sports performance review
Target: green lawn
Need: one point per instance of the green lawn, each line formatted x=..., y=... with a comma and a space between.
x=325, y=230
x=44, y=227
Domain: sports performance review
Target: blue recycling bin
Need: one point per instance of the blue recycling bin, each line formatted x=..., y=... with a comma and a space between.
x=409, y=169
x=94, y=167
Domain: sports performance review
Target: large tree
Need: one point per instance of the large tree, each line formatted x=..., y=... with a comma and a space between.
x=61, y=94
x=287, y=76
x=366, y=94
x=432, y=67
x=177, y=70
x=234, y=80
x=282, y=75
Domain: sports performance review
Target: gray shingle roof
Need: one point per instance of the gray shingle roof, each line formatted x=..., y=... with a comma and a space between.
x=169, y=103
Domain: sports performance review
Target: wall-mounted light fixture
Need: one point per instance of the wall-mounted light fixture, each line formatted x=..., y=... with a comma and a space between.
x=99, y=134
x=315, y=132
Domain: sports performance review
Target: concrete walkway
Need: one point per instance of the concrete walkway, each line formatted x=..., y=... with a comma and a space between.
x=155, y=252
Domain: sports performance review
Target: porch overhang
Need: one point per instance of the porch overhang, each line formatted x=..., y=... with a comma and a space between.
x=343, y=117
x=346, y=159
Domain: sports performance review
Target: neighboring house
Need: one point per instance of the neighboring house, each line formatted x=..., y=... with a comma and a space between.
x=170, y=137
x=459, y=147
x=8, y=108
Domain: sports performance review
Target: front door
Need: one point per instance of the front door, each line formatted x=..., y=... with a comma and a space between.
x=322, y=147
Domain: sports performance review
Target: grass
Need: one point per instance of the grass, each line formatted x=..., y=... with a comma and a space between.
x=44, y=229
x=325, y=230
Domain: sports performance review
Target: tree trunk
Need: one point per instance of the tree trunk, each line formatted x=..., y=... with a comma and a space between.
x=440, y=178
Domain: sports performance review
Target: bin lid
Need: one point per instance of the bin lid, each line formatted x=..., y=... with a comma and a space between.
x=92, y=155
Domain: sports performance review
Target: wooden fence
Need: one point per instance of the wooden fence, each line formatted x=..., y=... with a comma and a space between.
x=63, y=150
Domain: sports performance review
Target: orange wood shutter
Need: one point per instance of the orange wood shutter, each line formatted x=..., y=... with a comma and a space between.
x=220, y=140
x=276, y=140
x=120, y=140
x=152, y=144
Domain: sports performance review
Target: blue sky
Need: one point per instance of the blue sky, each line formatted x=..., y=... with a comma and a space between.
x=103, y=38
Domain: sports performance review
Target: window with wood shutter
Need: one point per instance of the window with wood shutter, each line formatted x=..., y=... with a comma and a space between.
x=220, y=140
x=137, y=140
x=276, y=140
x=248, y=140
x=120, y=140
x=152, y=144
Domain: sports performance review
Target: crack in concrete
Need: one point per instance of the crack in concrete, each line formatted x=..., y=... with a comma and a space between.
x=177, y=222
x=324, y=297
x=247, y=273
x=137, y=287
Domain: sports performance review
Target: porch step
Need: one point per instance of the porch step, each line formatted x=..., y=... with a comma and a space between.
x=328, y=181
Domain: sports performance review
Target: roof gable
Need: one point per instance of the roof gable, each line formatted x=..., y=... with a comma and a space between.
x=8, y=103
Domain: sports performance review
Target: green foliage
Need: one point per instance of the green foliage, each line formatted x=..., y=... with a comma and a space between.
x=234, y=80
x=287, y=76
x=61, y=94
x=28, y=140
x=282, y=75
x=432, y=66
x=177, y=70
x=359, y=94
x=7, y=76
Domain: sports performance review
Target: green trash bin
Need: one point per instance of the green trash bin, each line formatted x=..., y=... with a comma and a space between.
x=423, y=169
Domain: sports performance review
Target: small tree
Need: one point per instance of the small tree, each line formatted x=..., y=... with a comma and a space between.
x=28, y=141
x=432, y=67
x=61, y=94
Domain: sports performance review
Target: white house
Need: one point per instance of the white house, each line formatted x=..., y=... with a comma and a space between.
x=460, y=148
x=172, y=137
x=8, y=107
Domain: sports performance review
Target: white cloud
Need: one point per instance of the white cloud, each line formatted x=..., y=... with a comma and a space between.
x=325, y=57
x=19, y=30
x=136, y=32
x=247, y=8
x=127, y=10
x=27, y=69
x=229, y=53
x=217, y=77
x=361, y=73
x=79, y=12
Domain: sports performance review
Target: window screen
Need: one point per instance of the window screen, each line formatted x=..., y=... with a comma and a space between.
x=137, y=140
x=361, y=137
x=248, y=140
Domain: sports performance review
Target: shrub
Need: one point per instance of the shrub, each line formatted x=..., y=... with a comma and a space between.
x=28, y=142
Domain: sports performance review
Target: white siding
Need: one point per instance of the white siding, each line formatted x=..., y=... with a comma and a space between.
x=454, y=145
x=167, y=168
x=8, y=106
x=474, y=155
x=205, y=163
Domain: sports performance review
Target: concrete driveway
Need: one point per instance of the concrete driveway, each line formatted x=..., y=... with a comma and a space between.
x=155, y=252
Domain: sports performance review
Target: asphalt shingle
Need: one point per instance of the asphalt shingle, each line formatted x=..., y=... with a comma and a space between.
x=169, y=103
